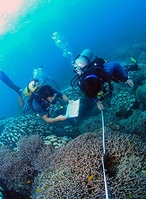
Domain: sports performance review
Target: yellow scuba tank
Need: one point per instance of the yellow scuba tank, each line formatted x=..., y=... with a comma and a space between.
x=30, y=88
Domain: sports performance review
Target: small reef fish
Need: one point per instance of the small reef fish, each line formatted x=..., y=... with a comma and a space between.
x=90, y=178
x=28, y=181
x=38, y=189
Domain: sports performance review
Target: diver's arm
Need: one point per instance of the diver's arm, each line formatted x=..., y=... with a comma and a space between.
x=56, y=119
x=64, y=97
x=99, y=104
x=130, y=82
x=21, y=101
x=117, y=71
x=123, y=72
x=60, y=95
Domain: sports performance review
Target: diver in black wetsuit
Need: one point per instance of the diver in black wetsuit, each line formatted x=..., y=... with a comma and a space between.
x=93, y=74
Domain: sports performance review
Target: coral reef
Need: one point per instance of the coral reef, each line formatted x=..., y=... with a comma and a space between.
x=76, y=170
x=90, y=124
x=16, y=165
x=126, y=160
x=134, y=124
x=137, y=50
x=16, y=127
x=15, y=171
x=63, y=129
x=138, y=79
x=42, y=161
x=141, y=94
x=123, y=103
x=33, y=154
x=56, y=141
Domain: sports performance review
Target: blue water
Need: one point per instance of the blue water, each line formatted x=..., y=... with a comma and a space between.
x=26, y=43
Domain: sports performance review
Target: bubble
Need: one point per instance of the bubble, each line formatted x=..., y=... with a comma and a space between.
x=69, y=53
x=64, y=54
x=63, y=45
x=38, y=74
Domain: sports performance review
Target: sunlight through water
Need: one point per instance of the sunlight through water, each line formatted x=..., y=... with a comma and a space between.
x=11, y=12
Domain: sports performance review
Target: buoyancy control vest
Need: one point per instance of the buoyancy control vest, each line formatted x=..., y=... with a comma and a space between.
x=94, y=68
x=45, y=105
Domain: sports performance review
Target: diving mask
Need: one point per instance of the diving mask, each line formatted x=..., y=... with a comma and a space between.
x=77, y=69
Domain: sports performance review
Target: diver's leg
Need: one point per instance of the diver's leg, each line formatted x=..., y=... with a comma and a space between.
x=132, y=67
x=9, y=83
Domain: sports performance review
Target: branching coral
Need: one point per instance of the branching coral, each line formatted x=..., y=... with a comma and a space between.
x=18, y=167
x=29, y=146
x=126, y=179
x=15, y=171
x=76, y=171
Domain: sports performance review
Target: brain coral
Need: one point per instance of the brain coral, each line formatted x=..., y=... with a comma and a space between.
x=16, y=127
x=76, y=171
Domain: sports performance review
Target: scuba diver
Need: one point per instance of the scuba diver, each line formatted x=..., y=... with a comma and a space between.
x=40, y=97
x=94, y=76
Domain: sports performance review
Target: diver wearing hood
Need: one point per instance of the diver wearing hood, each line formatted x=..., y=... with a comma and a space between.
x=93, y=75
x=39, y=97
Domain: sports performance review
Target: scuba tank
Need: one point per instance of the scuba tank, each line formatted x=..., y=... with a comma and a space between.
x=31, y=88
x=38, y=76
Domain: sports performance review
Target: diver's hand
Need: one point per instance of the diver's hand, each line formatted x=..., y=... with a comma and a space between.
x=64, y=97
x=70, y=101
x=60, y=118
x=130, y=82
x=100, y=106
x=56, y=119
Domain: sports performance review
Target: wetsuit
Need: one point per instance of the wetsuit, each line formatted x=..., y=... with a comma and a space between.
x=113, y=70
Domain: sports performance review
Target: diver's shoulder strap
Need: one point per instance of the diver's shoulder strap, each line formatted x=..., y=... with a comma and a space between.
x=100, y=72
x=98, y=62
